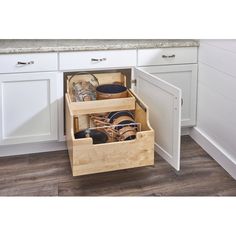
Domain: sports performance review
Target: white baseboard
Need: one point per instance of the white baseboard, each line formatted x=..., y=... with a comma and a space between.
x=185, y=130
x=11, y=150
x=215, y=151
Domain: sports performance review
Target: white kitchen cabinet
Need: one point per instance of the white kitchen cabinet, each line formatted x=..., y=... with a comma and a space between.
x=97, y=59
x=167, y=56
x=164, y=102
x=28, y=108
x=165, y=114
x=177, y=66
x=185, y=78
x=87, y=158
x=37, y=98
x=28, y=62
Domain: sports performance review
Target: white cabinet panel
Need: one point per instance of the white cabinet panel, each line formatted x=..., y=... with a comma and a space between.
x=30, y=62
x=185, y=78
x=164, y=102
x=226, y=44
x=216, y=107
x=218, y=58
x=28, y=105
x=97, y=59
x=167, y=56
x=217, y=119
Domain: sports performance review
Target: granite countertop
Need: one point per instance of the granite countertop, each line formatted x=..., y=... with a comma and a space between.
x=67, y=45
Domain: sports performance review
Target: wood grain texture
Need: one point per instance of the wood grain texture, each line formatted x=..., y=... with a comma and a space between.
x=49, y=174
x=87, y=158
x=99, y=106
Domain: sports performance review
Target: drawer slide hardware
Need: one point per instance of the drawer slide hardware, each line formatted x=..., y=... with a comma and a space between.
x=134, y=81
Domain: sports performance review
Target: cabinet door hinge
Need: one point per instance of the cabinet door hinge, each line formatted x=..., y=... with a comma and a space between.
x=134, y=81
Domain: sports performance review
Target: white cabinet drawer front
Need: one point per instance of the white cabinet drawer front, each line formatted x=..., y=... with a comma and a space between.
x=97, y=59
x=34, y=62
x=167, y=56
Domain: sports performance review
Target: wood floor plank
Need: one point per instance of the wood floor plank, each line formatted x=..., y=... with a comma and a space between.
x=37, y=189
x=49, y=174
x=39, y=175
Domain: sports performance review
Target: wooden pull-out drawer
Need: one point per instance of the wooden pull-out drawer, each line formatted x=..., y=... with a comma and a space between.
x=96, y=106
x=89, y=158
x=167, y=56
x=164, y=100
x=30, y=62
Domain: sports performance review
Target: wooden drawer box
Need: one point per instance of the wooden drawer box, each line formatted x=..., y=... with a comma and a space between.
x=165, y=118
x=30, y=62
x=167, y=56
x=100, y=105
x=89, y=158
x=97, y=59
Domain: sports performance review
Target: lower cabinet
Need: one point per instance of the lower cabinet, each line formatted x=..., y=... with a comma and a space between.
x=28, y=108
x=185, y=78
x=87, y=157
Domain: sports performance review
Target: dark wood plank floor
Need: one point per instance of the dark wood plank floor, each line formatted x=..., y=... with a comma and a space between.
x=49, y=174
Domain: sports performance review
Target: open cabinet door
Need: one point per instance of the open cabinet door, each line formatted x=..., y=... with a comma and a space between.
x=164, y=102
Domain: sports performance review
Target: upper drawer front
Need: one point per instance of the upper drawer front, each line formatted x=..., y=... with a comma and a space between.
x=167, y=56
x=97, y=59
x=31, y=62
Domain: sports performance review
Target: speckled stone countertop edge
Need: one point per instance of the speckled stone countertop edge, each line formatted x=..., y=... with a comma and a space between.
x=97, y=46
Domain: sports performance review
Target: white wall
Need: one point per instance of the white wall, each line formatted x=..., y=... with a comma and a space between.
x=216, y=111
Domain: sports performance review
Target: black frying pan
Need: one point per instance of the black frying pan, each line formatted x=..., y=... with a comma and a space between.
x=110, y=91
x=97, y=135
x=115, y=114
x=130, y=137
x=111, y=88
x=125, y=123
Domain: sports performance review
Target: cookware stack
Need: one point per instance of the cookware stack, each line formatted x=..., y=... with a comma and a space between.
x=91, y=90
x=107, y=127
x=118, y=125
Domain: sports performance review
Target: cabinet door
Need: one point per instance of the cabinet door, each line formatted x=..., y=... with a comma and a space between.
x=164, y=102
x=28, y=105
x=185, y=78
